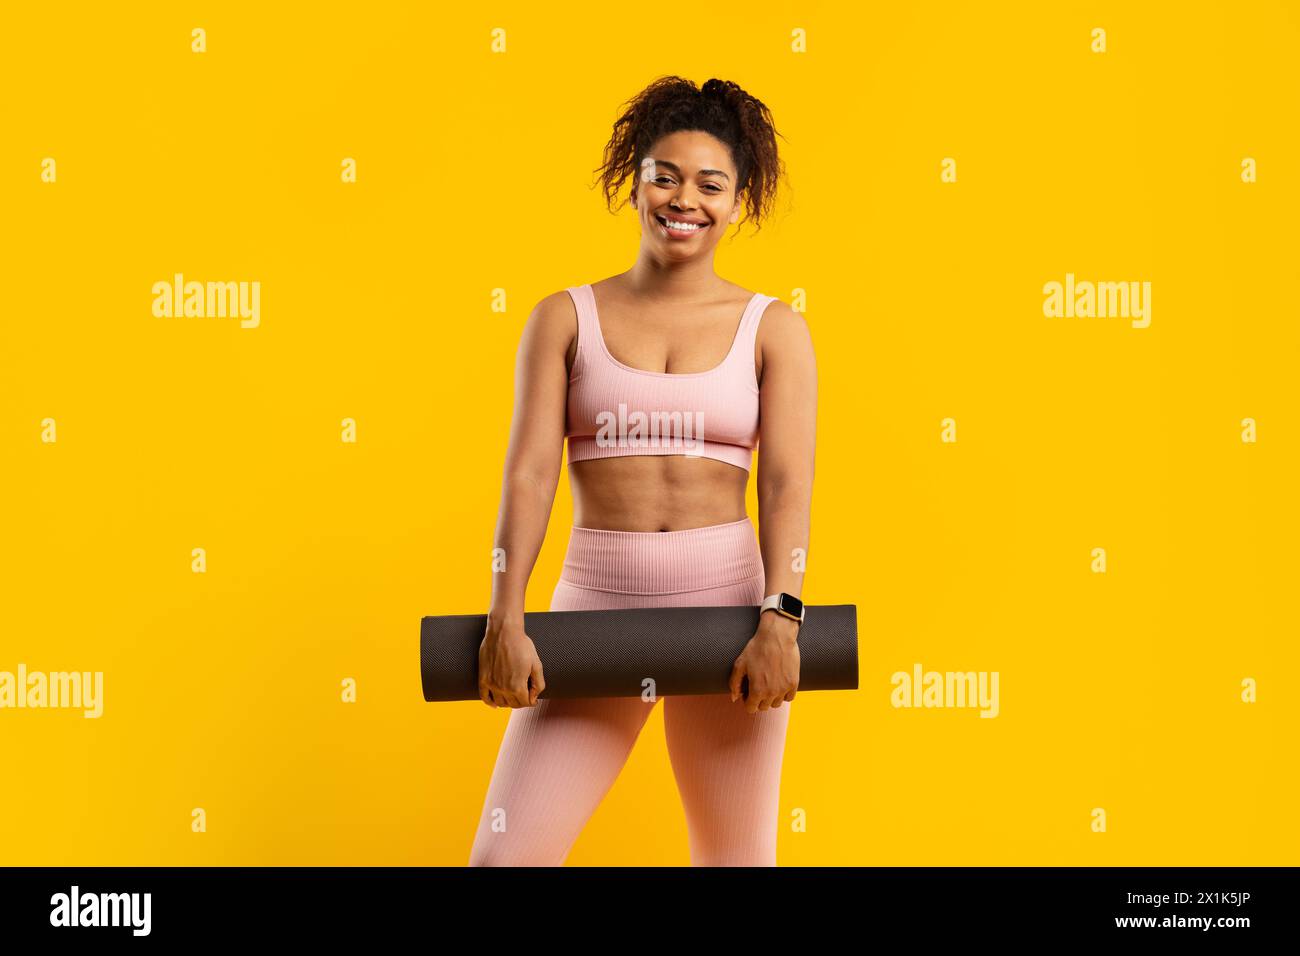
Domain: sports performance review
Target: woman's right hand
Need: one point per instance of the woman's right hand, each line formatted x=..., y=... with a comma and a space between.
x=509, y=670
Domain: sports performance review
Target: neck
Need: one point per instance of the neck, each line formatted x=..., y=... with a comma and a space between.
x=654, y=278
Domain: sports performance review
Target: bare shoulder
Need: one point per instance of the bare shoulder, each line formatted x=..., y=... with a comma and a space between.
x=555, y=313
x=553, y=322
x=783, y=342
x=782, y=327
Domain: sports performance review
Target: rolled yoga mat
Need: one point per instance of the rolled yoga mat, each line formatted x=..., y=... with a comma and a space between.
x=611, y=653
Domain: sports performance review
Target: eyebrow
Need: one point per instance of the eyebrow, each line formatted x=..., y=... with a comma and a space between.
x=703, y=172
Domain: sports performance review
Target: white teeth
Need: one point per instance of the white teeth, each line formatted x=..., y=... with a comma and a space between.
x=682, y=226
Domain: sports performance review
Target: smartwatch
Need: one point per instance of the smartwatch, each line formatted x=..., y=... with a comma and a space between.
x=787, y=605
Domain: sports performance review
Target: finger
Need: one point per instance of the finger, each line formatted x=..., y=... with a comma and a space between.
x=484, y=689
x=737, y=672
x=536, y=682
x=521, y=693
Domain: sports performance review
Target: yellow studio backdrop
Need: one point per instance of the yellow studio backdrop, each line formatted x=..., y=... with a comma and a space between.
x=1100, y=511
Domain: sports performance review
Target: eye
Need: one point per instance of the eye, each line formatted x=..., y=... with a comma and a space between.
x=666, y=180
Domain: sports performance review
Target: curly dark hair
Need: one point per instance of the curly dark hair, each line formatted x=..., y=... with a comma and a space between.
x=720, y=107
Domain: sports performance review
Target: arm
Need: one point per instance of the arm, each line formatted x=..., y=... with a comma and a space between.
x=786, y=453
x=532, y=468
x=786, y=450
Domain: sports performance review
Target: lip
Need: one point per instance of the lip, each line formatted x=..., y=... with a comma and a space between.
x=680, y=235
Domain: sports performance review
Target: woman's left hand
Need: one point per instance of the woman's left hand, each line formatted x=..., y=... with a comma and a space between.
x=771, y=662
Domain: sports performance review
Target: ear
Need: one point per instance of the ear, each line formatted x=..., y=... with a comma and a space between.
x=735, y=212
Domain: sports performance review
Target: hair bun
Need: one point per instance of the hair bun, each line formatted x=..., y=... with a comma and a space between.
x=716, y=88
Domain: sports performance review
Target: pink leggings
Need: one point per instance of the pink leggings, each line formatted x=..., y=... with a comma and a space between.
x=559, y=758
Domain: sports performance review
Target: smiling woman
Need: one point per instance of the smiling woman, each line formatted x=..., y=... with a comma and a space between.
x=658, y=523
x=739, y=123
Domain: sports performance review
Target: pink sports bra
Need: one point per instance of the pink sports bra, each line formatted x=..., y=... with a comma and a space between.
x=614, y=409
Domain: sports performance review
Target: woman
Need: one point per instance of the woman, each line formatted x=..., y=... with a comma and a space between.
x=659, y=511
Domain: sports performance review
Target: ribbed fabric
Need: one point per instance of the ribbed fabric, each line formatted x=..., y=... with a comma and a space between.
x=664, y=562
x=614, y=409
x=560, y=758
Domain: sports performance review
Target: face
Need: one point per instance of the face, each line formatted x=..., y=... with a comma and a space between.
x=688, y=178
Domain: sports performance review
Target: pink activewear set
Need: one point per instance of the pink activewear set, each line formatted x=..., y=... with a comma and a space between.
x=560, y=758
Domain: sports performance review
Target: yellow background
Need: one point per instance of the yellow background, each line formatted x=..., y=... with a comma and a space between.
x=222, y=690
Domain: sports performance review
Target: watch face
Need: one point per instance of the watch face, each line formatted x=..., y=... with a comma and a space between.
x=791, y=605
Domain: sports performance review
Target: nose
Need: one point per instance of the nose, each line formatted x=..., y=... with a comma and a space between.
x=681, y=200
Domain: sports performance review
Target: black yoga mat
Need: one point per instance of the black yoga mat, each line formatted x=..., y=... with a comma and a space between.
x=610, y=653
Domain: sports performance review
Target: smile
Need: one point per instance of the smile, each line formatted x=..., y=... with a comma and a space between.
x=681, y=228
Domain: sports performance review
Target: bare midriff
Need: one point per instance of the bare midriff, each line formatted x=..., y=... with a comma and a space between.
x=656, y=492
